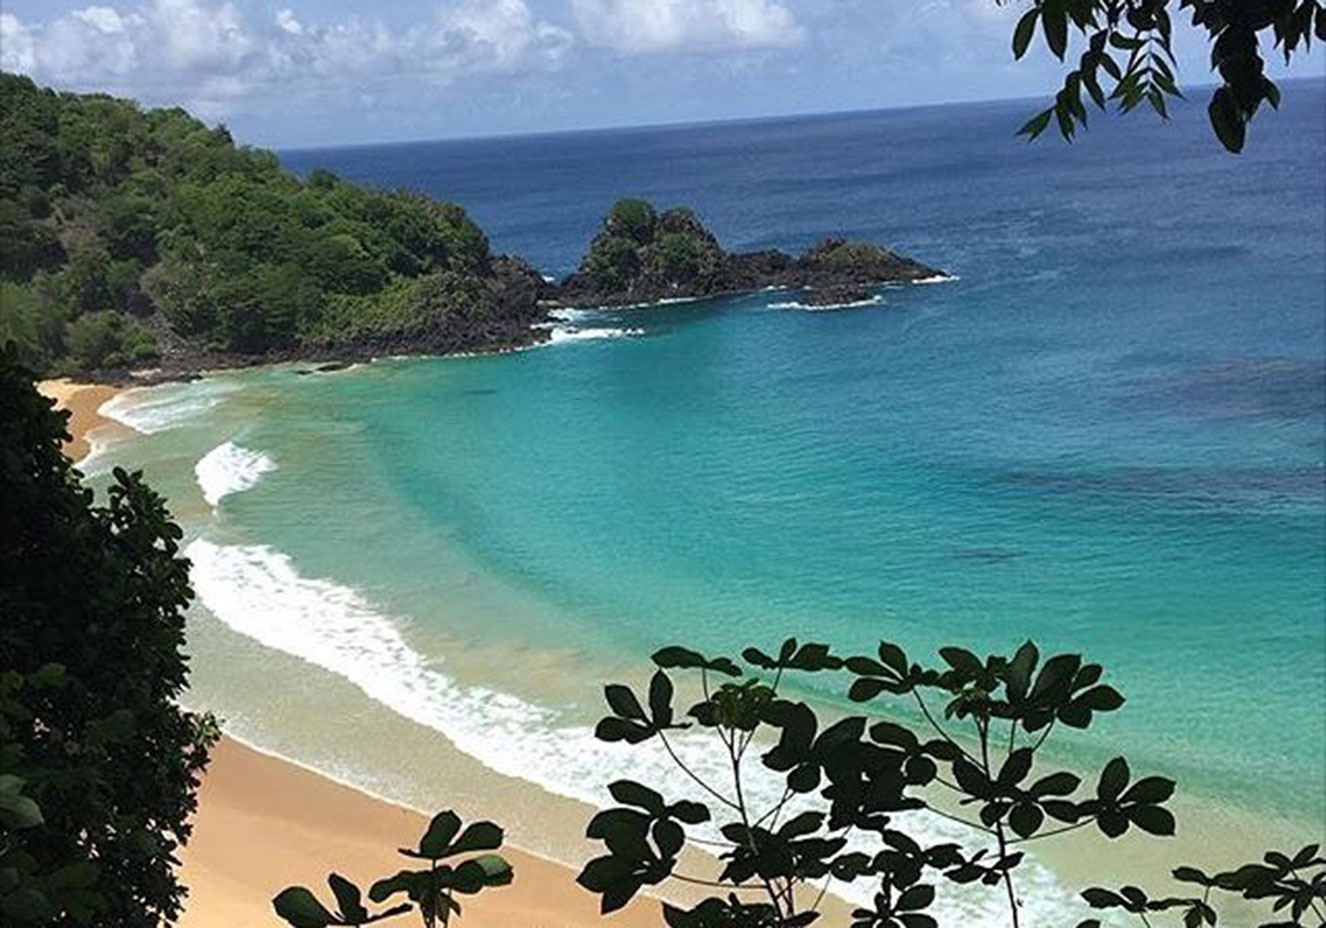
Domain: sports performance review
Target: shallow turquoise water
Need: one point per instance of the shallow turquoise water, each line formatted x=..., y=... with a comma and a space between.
x=1105, y=435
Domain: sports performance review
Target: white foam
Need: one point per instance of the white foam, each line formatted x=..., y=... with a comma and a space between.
x=560, y=334
x=571, y=314
x=937, y=279
x=258, y=592
x=875, y=300
x=228, y=469
x=155, y=409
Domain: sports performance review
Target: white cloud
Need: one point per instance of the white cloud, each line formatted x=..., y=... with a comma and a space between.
x=18, y=48
x=286, y=21
x=502, y=31
x=103, y=18
x=208, y=55
x=664, y=25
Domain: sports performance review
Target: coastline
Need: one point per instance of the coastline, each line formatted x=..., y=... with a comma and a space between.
x=264, y=822
x=82, y=400
x=229, y=889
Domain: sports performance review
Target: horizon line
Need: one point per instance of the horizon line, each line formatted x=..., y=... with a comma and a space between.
x=716, y=121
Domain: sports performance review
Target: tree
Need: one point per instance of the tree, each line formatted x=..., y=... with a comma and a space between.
x=91, y=668
x=845, y=789
x=433, y=889
x=1129, y=50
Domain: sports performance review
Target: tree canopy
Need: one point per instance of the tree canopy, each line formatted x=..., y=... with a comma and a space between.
x=1129, y=59
x=194, y=242
x=98, y=762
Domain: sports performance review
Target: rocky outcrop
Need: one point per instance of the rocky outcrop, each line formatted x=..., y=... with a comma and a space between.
x=642, y=256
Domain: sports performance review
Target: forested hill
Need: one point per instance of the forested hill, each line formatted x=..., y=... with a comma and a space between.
x=136, y=237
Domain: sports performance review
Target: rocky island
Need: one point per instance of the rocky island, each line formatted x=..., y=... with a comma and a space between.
x=145, y=240
x=643, y=256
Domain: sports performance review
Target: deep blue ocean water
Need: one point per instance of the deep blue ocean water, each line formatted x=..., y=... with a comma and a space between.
x=1106, y=435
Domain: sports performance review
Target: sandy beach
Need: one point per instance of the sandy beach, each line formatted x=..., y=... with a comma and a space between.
x=264, y=823
x=82, y=400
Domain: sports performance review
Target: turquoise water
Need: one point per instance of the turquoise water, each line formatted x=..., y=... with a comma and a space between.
x=1106, y=434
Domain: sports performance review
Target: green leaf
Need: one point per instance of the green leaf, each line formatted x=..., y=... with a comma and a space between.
x=1101, y=699
x=1154, y=820
x=864, y=689
x=301, y=909
x=624, y=831
x=1149, y=791
x=615, y=729
x=405, y=881
x=917, y=897
x=660, y=699
x=440, y=831
x=681, y=658
x=81, y=874
x=27, y=905
x=1016, y=768
x=963, y=661
x=1026, y=28
x=1037, y=124
x=1056, y=784
x=1227, y=120
x=1099, y=898
x=630, y=793
x=1022, y=665
x=347, y=898
x=1191, y=875
x=1054, y=23
x=18, y=811
x=481, y=836
x=1025, y=819
x=1113, y=779
x=692, y=813
x=894, y=658
x=623, y=702
x=480, y=872
x=669, y=837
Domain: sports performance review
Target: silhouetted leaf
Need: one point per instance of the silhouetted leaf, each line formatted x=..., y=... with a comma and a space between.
x=301, y=909
x=630, y=793
x=1026, y=28
x=440, y=831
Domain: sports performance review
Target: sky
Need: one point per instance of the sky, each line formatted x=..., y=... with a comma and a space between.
x=290, y=73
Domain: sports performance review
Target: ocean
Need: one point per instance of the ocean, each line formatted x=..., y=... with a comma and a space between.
x=1104, y=433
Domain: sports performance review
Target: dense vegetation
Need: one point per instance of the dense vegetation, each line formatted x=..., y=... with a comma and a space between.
x=98, y=763
x=128, y=234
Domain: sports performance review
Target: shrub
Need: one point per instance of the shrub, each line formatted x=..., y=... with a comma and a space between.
x=632, y=218
x=107, y=339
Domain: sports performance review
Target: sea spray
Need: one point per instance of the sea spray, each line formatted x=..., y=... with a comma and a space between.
x=228, y=469
x=258, y=592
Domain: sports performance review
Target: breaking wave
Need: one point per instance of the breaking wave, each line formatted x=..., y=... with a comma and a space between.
x=258, y=592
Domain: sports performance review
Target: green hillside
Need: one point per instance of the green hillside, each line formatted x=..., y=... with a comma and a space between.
x=133, y=237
